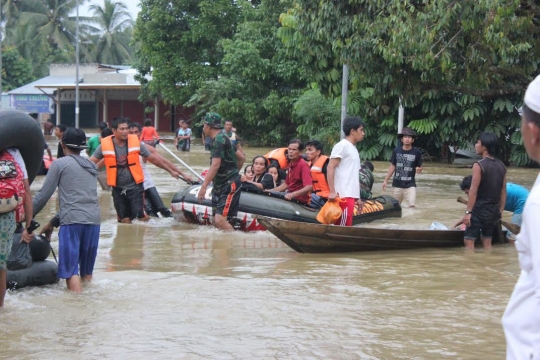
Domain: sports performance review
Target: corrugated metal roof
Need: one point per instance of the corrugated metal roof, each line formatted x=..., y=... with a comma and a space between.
x=31, y=89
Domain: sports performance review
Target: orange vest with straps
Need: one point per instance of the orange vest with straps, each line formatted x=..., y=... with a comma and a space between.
x=133, y=162
x=279, y=155
x=320, y=185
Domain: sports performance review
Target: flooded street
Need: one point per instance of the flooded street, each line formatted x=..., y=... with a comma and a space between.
x=178, y=291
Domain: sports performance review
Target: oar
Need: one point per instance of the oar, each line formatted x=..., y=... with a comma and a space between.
x=180, y=160
x=515, y=229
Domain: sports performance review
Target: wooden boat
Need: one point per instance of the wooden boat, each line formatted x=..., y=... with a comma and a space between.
x=186, y=208
x=317, y=238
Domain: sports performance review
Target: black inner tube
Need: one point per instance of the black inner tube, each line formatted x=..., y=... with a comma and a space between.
x=19, y=130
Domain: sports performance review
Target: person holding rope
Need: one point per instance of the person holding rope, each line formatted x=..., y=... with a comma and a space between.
x=124, y=171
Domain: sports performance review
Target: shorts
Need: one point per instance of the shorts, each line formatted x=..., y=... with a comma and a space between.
x=347, y=206
x=7, y=229
x=480, y=227
x=77, y=248
x=226, y=201
x=129, y=203
x=407, y=194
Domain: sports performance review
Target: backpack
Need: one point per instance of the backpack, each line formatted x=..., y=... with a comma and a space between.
x=12, y=191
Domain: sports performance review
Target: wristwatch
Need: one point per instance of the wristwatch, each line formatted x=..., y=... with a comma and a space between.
x=467, y=212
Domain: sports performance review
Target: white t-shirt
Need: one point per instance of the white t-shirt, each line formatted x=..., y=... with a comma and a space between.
x=148, y=181
x=346, y=174
x=19, y=159
x=521, y=320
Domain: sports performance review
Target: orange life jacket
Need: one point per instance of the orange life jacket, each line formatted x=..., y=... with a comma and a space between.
x=320, y=185
x=280, y=156
x=133, y=162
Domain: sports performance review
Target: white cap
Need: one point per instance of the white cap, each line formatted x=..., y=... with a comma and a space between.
x=532, y=95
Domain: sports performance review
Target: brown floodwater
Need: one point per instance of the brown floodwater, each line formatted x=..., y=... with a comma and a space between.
x=168, y=290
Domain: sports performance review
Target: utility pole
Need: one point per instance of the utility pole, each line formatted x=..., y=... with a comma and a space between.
x=344, y=90
x=77, y=71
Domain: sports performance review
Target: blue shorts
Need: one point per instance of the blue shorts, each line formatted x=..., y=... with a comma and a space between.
x=78, y=244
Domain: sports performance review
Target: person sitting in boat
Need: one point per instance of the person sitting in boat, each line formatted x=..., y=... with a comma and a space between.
x=318, y=167
x=298, y=184
x=365, y=177
x=274, y=171
x=260, y=180
x=248, y=172
x=279, y=157
x=516, y=196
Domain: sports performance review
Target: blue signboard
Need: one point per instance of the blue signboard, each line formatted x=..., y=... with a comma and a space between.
x=31, y=103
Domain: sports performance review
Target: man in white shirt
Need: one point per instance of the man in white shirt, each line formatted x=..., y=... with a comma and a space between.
x=521, y=320
x=343, y=168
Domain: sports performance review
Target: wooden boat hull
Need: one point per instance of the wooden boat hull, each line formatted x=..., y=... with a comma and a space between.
x=317, y=238
x=186, y=208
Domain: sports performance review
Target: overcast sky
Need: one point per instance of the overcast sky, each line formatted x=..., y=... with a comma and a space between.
x=132, y=6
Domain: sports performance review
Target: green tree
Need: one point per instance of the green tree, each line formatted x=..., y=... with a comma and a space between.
x=259, y=83
x=54, y=21
x=112, y=34
x=461, y=67
x=16, y=71
x=177, y=44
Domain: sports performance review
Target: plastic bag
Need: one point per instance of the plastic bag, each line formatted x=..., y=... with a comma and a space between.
x=20, y=257
x=330, y=212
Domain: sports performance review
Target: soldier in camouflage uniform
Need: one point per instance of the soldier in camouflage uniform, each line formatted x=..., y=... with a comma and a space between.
x=226, y=160
x=365, y=177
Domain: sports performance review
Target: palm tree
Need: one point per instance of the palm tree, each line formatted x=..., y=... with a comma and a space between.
x=54, y=23
x=113, y=32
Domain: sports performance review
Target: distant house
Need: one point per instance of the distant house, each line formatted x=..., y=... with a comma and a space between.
x=105, y=92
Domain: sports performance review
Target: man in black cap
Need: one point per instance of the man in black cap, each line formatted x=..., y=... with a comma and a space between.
x=224, y=166
x=79, y=215
x=406, y=161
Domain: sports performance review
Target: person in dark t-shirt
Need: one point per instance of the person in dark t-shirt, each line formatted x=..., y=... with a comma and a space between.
x=406, y=161
x=487, y=195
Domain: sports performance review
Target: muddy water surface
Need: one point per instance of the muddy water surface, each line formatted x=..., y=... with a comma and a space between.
x=170, y=291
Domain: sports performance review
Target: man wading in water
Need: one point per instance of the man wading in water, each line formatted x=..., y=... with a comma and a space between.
x=124, y=171
x=224, y=166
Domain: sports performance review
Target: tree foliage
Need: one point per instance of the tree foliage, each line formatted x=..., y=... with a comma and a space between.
x=112, y=35
x=454, y=63
x=177, y=44
x=259, y=82
x=16, y=71
x=43, y=32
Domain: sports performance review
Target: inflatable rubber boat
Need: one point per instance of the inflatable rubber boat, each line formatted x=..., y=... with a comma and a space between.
x=186, y=208
x=42, y=271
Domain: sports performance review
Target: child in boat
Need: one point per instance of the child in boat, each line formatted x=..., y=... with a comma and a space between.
x=149, y=134
x=260, y=180
x=273, y=170
x=248, y=172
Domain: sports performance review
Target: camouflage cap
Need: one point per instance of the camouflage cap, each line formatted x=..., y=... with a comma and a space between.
x=213, y=120
x=407, y=132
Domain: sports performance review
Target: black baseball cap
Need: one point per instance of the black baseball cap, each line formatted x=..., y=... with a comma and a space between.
x=74, y=138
